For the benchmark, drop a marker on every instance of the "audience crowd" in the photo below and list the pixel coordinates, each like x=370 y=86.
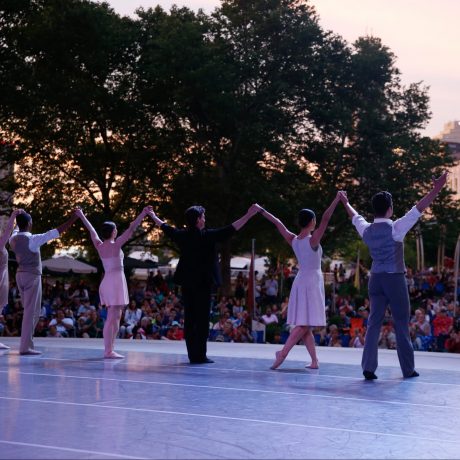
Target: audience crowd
x=156 y=312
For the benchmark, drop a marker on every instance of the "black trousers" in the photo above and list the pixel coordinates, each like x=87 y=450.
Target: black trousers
x=197 y=305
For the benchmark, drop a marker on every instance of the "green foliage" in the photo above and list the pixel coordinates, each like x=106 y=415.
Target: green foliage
x=252 y=103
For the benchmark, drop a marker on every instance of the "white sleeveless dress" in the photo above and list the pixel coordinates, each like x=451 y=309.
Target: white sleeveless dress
x=307 y=299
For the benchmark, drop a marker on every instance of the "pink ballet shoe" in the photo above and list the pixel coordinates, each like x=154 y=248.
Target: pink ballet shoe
x=311 y=366
x=113 y=355
x=278 y=361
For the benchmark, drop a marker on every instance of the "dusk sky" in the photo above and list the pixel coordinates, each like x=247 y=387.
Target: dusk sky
x=423 y=34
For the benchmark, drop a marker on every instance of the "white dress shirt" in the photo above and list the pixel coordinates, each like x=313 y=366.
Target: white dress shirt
x=400 y=226
x=38 y=239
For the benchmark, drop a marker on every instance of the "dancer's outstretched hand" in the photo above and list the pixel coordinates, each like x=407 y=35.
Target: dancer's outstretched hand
x=78 y=212
x=16 y=212
x=254 y=209
x=438 y=183
x=147 y=210
x=342 y=196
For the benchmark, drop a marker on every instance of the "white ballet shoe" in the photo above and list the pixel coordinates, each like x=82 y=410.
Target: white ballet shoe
x=113 y=355
x=30 y=351
x=4 y=347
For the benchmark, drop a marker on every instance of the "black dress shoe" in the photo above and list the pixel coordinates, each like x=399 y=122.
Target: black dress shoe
x=202 y=361
x=414 y=374
x=368 y=375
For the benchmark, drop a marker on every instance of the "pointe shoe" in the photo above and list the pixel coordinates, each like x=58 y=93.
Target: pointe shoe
x=278 y=361
x=311 y=366
x=30 y=351
x=4 y=347
x=113 y=355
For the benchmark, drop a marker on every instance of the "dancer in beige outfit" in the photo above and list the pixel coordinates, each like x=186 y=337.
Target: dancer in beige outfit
x=26 y=246
x=113 y=290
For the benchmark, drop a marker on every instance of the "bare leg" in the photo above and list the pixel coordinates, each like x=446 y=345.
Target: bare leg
x=111 y=326
x=297 y=333
x=309 y=342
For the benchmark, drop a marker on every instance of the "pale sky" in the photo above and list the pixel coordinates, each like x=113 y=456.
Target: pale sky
x=423 y=34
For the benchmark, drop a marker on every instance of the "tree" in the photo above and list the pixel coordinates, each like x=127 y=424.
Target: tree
x=80 y=135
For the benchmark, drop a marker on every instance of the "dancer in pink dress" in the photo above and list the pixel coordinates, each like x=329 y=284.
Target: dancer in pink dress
x=113 y=290
x=4 y=282
x=306 y=308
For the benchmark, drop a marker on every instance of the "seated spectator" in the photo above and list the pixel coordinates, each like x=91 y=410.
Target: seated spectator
x=227 y=334
x=357 y=339
x=41 y=329
x=420 y=324
x=452 y=344
x=321 y=336
x=175 y=332
x=93 y=326
x=269 y=317
x=131 y=320
x=442 y=327
x=62 y=324
x=53 y=332
x=333 y=338
x=387 y=338
x=219 y=326
x=242 y=335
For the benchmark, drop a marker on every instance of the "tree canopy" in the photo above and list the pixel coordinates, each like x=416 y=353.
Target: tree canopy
x=255 y=102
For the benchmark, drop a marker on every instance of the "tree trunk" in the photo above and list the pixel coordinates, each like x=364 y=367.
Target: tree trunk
x=225 y=257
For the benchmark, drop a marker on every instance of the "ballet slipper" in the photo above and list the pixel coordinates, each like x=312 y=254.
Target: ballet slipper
x=4 y=347
x=113 y=355
x=30 y=351
x=279 y=360
x=312 y=366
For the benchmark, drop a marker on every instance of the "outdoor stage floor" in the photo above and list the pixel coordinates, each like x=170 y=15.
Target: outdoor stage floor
x=71 y=403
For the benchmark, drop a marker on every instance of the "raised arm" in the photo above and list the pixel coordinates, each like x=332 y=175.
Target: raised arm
x=128 y=233
x=285 y=233
x=67 y=224
x=348 y=207
x=155 y=218
x=9 y=228
x=358 y=221
x=238 y=224
x=92 y=232
x=438 y=184
x=319 y=232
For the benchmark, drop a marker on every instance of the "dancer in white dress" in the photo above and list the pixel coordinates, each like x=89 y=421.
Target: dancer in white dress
x=4 y=282
x=306 y=308
x=113 y=290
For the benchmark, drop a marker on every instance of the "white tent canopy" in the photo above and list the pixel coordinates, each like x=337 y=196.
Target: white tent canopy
x=143 y=255
x=67 y=264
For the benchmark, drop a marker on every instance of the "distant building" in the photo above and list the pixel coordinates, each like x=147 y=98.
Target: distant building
x=451 y=136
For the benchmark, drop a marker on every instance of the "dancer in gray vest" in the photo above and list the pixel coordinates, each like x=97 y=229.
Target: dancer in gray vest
x=29 y=274
x=4 y=282
x=387 y=282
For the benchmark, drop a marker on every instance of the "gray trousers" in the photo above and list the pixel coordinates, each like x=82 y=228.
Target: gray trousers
x=30 y=288
x=388 y=289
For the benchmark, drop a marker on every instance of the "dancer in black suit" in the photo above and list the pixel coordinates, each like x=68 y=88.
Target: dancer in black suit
x=197 y=271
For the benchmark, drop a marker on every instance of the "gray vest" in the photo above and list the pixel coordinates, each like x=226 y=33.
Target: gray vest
x=27 y=260
x=387 y=254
